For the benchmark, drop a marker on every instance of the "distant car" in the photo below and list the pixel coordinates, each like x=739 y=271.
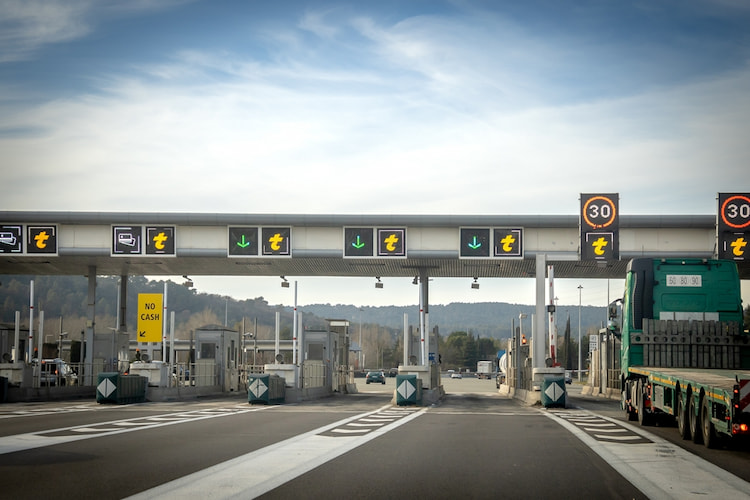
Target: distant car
x=568 y=377
x=393 y=372
x=375 y=377
x=455 y=375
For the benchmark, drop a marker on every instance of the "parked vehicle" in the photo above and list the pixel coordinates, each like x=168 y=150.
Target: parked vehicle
x=684 y=352
x=375 y=377
x=456 y=375
x=56 y=372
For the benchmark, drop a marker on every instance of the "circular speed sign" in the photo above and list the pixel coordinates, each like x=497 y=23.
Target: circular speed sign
x=735 y=211
x=599 y=211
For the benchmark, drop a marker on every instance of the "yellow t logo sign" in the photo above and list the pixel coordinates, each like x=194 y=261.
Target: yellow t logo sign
x=738 y=246
x=390 y=242
x=275 y=241
x=599 y=245
x=508 y=243
x=41 y=239
x=159 y=240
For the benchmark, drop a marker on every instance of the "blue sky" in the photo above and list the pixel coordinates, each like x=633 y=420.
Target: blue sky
x=434 y=107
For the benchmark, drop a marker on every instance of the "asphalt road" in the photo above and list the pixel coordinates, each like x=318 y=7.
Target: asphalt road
x=473 y=444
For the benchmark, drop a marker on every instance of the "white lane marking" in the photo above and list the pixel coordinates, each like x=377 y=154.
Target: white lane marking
x=611 y=430
x=258 y=472
x=51 y=437
x=618 y=438
x=660 y=469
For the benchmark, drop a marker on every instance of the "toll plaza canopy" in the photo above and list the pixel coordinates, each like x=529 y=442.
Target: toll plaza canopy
x=116 y=243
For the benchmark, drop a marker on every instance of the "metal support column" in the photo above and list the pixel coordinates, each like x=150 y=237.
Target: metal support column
x=90 y=328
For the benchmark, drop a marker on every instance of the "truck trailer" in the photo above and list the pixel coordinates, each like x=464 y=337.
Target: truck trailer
x=485 y=369
x=684 y=351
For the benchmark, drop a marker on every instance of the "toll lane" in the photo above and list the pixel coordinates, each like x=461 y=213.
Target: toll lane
x=470 y=446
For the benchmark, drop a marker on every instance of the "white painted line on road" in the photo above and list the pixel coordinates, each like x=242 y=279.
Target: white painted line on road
x=660 y=469
x=51 y=437
x=611 y=430
x=350 y=431
x=256 y=473
x=618 y=438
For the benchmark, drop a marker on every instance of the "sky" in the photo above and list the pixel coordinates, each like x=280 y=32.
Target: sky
x=387 y=107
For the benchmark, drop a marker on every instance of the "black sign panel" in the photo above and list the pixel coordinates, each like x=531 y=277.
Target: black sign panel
x=276 y=241
x=127 y=240
x=358 y=242
x=508 y=242
x=41 y=240
x=11 y=238
x=600 y=227
x=599 y=246
x=392 y=242
x=734 y=246
x=243 y=241
x=475 y=242
x=160 y=240
x=733 y=225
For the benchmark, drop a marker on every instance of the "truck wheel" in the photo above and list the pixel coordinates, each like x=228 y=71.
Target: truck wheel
x=710 y=439
x=683 y=422
x=695 y=426
x=643 y=418
x=629 y=413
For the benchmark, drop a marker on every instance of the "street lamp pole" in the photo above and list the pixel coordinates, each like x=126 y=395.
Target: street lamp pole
x=580 y=287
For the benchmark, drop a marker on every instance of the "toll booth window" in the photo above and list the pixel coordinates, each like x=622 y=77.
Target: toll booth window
x=208 y=351
x=315 y=352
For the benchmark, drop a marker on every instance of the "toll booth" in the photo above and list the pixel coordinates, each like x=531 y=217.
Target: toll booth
x=340 y=360
x=319 y=350
x=217 y=357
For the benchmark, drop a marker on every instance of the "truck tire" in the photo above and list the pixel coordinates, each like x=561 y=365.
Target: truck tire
x=643 y=418
x=710 y=439
x=627 y=401
x=683 y=419
x=695 y=422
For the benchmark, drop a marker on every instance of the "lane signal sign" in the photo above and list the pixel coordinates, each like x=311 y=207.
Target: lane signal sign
x=243 y=242
x=11 y=239
x=41 y=240
x=475 y=242
x=358 y=242
x=126 y=240
x=276 y=241
x=598 y=246
x=160 y=240
x=392 y=242
x=508 y=242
